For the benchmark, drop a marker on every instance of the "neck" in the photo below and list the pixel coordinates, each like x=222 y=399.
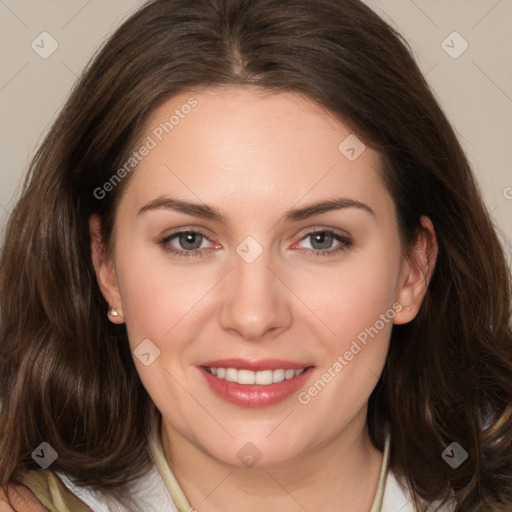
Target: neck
x=342 y=474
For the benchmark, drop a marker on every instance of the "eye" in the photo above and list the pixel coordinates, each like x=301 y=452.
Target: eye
x=190 y=243
x=322 y=240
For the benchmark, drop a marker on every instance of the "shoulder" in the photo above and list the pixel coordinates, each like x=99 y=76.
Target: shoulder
x=22 y=499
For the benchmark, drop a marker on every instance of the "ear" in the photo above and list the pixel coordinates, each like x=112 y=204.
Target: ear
x=416 y=272
x=104 y=269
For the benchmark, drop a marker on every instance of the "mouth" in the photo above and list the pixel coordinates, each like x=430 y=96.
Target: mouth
x=255 y=384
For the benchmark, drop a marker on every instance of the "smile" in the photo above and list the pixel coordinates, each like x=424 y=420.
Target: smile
x=261 y=378
x=255 y=384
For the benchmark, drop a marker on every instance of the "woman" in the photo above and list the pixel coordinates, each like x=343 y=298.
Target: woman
x=251 y=269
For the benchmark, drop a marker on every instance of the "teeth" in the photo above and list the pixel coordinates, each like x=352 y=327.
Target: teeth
x=278 y=376
x=246 y=377
x=231 y=375
x=289 y=374
x=262 y=378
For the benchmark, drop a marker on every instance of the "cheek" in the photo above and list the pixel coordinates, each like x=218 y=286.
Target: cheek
x=358 y=309
x=152 y=296
x=356 y=303
x=159 y=299
x=351 y=297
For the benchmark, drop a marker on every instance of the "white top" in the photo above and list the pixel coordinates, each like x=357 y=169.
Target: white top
x=153 y=491
x=154 y=497
x=150 y=491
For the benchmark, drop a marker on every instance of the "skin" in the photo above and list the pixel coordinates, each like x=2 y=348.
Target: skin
x=22 y=499
x=253 y=156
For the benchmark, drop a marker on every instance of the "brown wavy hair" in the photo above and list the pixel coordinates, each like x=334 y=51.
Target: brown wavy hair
x=67 y=374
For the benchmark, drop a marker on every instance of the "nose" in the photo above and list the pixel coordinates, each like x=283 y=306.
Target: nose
x=256 y=302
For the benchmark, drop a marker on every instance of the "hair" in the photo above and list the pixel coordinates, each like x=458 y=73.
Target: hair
x=67 y=373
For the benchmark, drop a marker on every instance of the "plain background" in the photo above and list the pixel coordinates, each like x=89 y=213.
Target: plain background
x=474 y=89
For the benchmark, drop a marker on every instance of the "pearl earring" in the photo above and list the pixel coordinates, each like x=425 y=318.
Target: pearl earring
x=113 y=312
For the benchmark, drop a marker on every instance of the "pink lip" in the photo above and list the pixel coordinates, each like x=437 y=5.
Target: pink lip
x=255 y=366
x=254 y=395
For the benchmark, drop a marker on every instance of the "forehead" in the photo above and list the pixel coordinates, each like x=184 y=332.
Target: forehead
x=242 y=145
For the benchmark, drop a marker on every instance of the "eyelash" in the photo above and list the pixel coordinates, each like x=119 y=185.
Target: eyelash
x=345 y=243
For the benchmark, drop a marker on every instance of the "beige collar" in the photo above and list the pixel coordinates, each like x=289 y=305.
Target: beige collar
x=179 y=498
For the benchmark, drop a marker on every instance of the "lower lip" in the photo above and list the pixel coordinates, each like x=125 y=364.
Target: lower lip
x=252 y=395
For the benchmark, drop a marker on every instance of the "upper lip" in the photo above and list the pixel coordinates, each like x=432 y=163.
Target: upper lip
x=259 y=365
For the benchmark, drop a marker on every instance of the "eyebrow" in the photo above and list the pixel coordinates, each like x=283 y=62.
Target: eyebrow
x=211 y=213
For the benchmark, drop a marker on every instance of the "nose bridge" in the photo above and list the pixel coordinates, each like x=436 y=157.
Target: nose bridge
x=255 y=300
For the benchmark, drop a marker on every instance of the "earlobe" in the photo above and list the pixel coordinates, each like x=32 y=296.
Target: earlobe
x=419 y=268
x=104 y=269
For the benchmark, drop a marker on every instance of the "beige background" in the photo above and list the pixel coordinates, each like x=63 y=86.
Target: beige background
x=475 y=89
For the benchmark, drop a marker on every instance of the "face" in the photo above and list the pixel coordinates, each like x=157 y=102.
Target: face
x=258 y=267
